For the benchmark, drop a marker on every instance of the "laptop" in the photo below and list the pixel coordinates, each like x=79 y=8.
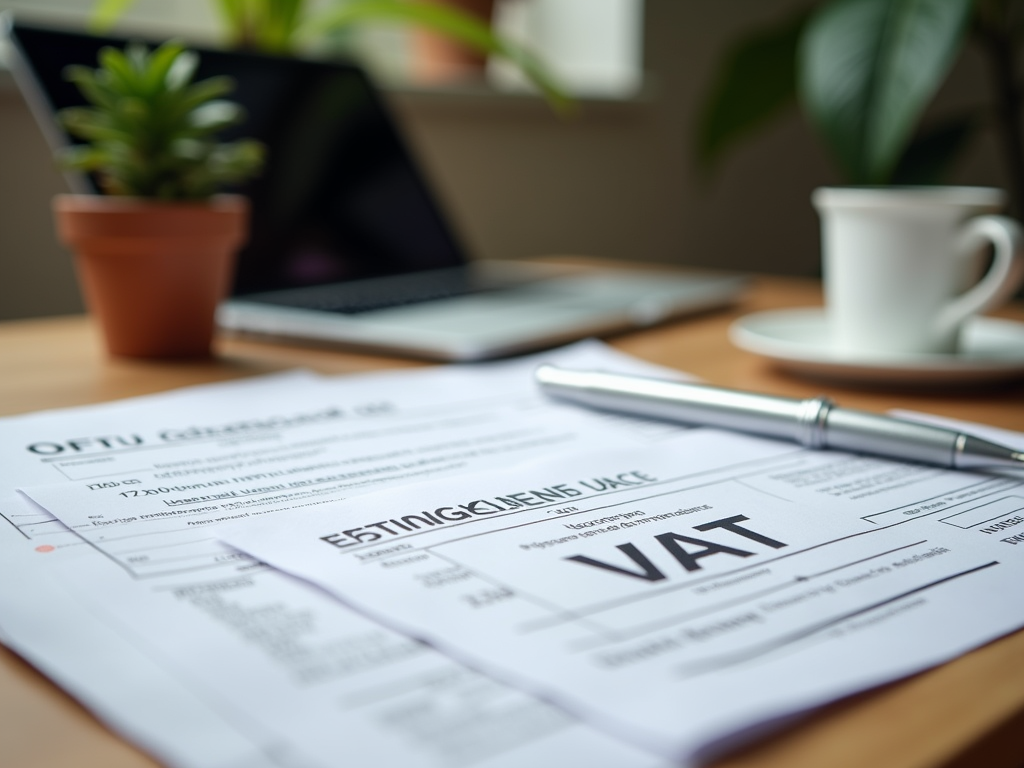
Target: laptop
x=348 y=243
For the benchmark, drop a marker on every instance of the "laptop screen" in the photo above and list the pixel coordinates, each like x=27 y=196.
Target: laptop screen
x=340 y=197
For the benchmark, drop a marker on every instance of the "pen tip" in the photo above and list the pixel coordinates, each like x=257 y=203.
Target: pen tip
x=977 y=453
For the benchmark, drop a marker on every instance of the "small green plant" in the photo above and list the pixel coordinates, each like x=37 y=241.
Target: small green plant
x=151 y=131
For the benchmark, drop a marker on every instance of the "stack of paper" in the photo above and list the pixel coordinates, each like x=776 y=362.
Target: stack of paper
x=533 y=584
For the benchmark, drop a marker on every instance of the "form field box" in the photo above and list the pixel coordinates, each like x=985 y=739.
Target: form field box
x=994 y=511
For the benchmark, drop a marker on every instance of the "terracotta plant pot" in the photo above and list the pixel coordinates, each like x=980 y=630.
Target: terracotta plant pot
x=153 y=272
x=439 y=59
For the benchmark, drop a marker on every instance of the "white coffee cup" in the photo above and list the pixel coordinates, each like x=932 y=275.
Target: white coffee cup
x=901 y=265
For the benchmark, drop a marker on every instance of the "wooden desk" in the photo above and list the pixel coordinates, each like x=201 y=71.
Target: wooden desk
x=966 y=713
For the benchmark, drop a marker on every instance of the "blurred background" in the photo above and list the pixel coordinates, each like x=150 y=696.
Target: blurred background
x=618 y=179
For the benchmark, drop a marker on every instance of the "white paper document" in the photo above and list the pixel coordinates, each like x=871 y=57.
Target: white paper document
x=681 y=595
x=101 y=663
x=228 y=662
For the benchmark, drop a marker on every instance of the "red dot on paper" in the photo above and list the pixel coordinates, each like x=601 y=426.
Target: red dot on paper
x=45 y=548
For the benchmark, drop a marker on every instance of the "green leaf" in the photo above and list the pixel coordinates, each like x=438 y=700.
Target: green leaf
x=164 y=68
x=868 y=69
x=81 y=158
x=756 y=81
x=232 y=12
x=215 y=116
x=930 y=154
x=117 y=71
x=93 y=126
x=449 y=21
x=182 y=70
x=234 y=162
x=88 y=84
x=106 y=13
x=206 y=90
x=281 y=20
x=188 y=149
x=138 y=59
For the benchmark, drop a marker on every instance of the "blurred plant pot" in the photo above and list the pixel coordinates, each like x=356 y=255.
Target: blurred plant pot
x=151 y=271
x=440 y=59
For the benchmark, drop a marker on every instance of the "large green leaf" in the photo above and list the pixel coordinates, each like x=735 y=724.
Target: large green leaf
x=756 y=81
x=868 y=69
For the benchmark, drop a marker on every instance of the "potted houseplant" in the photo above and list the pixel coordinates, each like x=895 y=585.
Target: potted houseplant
x=156 y=253
x=864 y=73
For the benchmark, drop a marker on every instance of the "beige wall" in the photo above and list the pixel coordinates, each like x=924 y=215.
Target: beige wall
x=617 y=181
x=621 y=182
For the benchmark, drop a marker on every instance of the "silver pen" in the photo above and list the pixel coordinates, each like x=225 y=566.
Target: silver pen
x=814 y=423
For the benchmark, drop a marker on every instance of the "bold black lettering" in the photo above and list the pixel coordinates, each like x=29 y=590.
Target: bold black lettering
x=361 y=535
x=46 y=449
x=623 y=479
x=452 y=517
x=474 y=507
x=109 y=442
x=337 y=540
x=415 y=520
x=509 y=502
x=549 y=494
x=649 y=571
x=523 y=498
x=730 y=524
x=688 y=560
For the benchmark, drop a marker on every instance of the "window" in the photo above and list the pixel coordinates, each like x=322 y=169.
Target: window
x=594 y=47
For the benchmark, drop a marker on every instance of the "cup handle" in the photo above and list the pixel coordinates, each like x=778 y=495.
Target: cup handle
x=1004 y=276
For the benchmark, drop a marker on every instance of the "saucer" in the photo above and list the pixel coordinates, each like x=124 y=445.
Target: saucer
x=797 y=339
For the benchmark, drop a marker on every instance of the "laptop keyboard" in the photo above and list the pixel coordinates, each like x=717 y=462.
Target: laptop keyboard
x=379 y=293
